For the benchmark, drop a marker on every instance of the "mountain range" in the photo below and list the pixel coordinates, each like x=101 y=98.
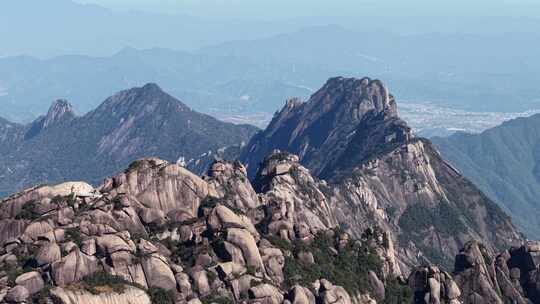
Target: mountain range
x=504 y=162
x=242 y=78
x=143 y=121
x=338 y=202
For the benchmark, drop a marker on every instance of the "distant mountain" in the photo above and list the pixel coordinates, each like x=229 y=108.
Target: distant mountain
x=255 y=76
x=139 y=122
x=505 y=163
x=349 y=134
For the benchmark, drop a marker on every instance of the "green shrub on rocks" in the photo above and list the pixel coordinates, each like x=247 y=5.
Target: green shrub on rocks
x=160 y=295
x=102 y=281
x=28 y=212
x=348 y=267
x=74 y=235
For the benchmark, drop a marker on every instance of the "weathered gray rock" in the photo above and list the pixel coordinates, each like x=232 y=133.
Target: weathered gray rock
x=245 y=241
x=32 y=281
x=306 y=257
x=229 y=181
x=17 y=294
x=159 y=185
x=158 y=273
x=274 y=261
x=184 y=285
x=200 y=280
x=301 y=295
x=432 y=286
x=329 y=293
x=48 y=254
x=130 y=295
x=377 y=286
x=266 y=293
x=73 y=267
x=109 y=244
x=37 y=229
x=89 y=247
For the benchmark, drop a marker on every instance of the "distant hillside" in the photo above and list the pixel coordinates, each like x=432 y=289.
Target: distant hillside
x=135 y=123
x=505 y=163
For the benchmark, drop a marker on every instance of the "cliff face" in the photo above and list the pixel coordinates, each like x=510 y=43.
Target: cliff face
x=349 y=134
x=131 y=124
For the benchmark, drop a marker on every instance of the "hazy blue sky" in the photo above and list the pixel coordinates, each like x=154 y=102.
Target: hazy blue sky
x=288 y=8
x=57 y=27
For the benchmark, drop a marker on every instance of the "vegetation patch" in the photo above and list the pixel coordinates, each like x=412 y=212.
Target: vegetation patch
x=348 y=268
x=74 y=235
x=103 y=282
x=217 y=300
x=117 y=202
x=28 y=212
x=443 y=217
x=397 y=293
x=160 y=295
x=280 y=243
x=136 y=165
x=44 y=296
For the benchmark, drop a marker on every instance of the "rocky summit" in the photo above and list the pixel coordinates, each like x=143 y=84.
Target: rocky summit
x=338 y=202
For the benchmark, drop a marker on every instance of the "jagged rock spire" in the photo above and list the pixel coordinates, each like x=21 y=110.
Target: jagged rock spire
x=59 y=110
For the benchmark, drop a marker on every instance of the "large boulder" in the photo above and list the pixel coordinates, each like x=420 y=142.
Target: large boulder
x=229 y=181
x=332 y=294
x=73 y=268
x=242 y=239
x=266 y=293
x=159 y=185
x=17 y=294
x=431 y=285
x=158 y=273
x=32 y=281
x=48 y=254
x=301 y=295
x=130 y=295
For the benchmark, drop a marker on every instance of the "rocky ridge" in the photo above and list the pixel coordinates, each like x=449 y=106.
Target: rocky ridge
x=378 y=173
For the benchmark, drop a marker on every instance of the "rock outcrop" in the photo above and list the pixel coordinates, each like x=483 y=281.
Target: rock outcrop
x=480 y=277
x=157 y=233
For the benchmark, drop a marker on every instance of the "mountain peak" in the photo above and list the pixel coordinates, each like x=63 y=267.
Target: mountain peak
x=59 y=110
x=140 y=100
x=363 y=94
x=151 y=87
x=327 y=122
